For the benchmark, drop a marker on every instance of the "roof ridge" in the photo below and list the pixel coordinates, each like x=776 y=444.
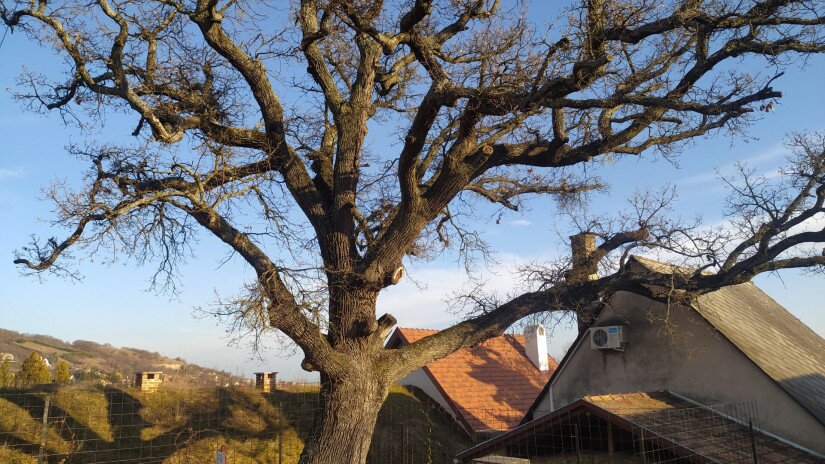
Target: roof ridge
x=506 y=334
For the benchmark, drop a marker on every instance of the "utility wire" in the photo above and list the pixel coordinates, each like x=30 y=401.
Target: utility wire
x=3 y=40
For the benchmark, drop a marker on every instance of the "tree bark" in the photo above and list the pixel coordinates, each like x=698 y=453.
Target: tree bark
x=350 y=397
x=344 y=426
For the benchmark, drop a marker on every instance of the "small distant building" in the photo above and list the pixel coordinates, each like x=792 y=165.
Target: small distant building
x=265 y=381
x=148 y=381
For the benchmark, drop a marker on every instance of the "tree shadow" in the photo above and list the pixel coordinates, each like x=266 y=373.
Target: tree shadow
x=507 y=386
x=411 y=428
x=133 y=438
x=104 y=425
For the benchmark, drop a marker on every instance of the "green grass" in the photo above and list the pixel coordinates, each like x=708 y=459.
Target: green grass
x=186 y=426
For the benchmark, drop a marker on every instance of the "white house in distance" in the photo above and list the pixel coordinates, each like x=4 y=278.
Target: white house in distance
x=641 y=357
x=486 y=388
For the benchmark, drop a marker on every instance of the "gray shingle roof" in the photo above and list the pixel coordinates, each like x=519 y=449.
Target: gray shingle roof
x=782 y=346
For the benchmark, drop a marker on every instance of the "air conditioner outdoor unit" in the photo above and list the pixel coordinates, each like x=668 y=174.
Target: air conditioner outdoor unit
x=607 y=338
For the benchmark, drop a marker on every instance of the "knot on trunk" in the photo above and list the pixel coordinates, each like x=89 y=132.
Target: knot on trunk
x=385 y=325
x=392 y=278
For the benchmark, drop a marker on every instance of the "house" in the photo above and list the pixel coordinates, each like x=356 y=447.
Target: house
x=734 y=348
x=655 y=427
x=264 y=381
x=148 y=381
x=486 y=388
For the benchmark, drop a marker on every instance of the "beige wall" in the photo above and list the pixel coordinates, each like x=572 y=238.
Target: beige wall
x=419 y=378
x=675 y=349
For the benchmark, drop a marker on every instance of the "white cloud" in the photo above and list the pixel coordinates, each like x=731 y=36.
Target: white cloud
x=703 y=178
x=420 y=300
x=520 y=223
x=425 y=305
x=814 y=224
x=6 y=173
x=768 y=155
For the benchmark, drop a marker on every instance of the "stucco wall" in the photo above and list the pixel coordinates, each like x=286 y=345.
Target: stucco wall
x=687 y=356
x=419 y=378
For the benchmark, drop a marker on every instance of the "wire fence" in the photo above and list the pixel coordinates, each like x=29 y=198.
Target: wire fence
x=105 y=425
x=728 y=433
x=99 y=425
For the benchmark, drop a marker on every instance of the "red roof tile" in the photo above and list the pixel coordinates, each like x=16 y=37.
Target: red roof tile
x=490 y=386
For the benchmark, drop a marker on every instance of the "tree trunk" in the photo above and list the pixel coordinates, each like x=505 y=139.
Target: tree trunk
x=343 y=428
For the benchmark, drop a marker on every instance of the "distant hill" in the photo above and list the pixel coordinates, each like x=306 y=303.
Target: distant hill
x=92 y=361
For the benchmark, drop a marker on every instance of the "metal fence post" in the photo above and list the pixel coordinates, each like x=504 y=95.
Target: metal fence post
x=577 y=442
x=41 y=455
x=281 y=445
x=753 y=442
x=404 y=448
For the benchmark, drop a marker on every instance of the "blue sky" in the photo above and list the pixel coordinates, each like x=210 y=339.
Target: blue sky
x=111 y=305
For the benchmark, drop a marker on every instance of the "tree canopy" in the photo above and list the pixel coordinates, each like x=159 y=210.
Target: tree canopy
x=252 y=125
x=6 y=376
x=33 y=371
x=62 y=374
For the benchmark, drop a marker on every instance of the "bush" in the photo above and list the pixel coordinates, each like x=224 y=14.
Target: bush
x=62 y=375
x=6 y=377
x=33 y=371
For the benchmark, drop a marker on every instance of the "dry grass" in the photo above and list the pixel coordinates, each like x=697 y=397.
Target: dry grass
x=186 y=426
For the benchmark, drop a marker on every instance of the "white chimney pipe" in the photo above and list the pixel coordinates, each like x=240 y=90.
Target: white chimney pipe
x=535 y=345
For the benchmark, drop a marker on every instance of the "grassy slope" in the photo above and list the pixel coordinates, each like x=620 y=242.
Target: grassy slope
x=89 y=425
x=83 y=355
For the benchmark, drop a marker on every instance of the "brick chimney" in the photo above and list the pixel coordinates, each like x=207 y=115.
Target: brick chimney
x=535 y=345
x=582 y=246
x=583 y=268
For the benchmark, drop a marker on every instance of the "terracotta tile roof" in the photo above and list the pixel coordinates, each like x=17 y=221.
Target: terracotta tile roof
x=489 y=386
x=693 y=432
x=782 y=346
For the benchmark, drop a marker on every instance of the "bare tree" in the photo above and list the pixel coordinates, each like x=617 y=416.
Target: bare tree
x=251 y=123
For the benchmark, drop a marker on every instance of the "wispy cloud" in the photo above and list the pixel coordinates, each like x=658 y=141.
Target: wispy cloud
x=703 y=178
x=520 y=223
x=6 y=173
x=766 y=156
x=421 y=299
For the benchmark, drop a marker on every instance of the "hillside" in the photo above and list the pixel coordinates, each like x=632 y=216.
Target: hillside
x=105 y=425
x=89 y=360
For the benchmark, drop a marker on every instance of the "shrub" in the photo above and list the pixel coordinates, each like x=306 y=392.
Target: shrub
x=62 y=375
x=33 y=371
